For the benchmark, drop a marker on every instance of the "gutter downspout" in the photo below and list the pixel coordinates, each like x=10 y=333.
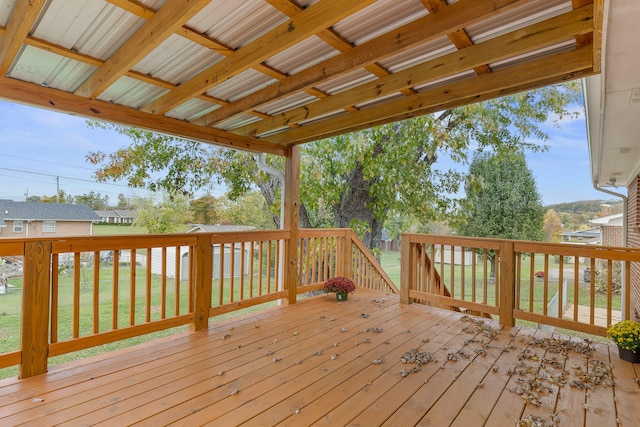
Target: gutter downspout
x=625 y=225
x=261 y=161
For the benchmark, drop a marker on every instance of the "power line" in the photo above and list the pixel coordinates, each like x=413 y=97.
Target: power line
x=65 y=177
x=46 y=161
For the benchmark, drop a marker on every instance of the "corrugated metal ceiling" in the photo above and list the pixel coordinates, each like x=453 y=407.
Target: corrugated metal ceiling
x=224 y=67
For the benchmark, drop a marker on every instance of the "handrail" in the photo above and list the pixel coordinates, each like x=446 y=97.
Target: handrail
x=526 y=276
x=380 y=282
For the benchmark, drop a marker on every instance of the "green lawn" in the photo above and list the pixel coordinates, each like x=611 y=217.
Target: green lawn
x=118 y=229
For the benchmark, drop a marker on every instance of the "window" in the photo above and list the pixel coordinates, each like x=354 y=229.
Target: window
x=18 y=227
x=49 y=227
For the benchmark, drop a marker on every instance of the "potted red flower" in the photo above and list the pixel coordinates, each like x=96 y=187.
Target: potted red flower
x=341 y=286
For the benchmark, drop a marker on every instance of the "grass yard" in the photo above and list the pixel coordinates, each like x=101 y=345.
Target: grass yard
x=119 y=229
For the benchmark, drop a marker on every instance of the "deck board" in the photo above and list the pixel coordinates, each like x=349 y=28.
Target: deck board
x=275 y=367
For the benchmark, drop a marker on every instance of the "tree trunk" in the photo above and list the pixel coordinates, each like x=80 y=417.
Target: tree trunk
x=353 y=208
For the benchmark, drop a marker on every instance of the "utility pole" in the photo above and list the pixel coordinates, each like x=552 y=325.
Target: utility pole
x=57 y=189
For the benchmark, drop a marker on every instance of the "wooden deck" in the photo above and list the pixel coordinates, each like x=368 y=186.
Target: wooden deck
x=320 y=362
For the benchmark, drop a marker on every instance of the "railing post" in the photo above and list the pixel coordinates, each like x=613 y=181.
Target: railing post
x=407 y=269
x=346 y=254
x=507 y=284
x=34 y=327
x=202 y=278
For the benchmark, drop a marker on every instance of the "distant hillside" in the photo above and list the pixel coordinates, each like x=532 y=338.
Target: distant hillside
x=576 y=215
x=586 y=206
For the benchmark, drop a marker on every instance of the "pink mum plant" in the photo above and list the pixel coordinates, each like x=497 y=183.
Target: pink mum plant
x=339 y=285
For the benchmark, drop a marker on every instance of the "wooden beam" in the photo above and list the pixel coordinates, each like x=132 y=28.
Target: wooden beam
x=164 y=23
x=507 y=284
x=22 y=18
x=53 y=99
x=430 y=27
x=34 y=326
x=292 y=220
x=558 y=65
x=546 y=33
x=459 y=38
x=203 y=273
x=407 y=262
x=598 y=15
x=315 y=18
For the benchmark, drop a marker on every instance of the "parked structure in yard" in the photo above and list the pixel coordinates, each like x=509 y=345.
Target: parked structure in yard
x=37 y=219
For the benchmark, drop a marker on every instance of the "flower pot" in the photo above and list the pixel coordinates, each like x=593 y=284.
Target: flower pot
x=629 y=355
x=342 y=296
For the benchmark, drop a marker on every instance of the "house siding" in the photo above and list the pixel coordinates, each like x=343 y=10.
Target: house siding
x=611 y=235
x=34 y=229
x=633 y=240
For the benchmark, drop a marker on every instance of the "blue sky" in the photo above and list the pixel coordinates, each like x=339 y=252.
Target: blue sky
x=36 y=146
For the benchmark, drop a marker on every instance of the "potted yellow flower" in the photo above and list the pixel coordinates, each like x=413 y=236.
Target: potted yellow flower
x=341 y=286
x=626 y=335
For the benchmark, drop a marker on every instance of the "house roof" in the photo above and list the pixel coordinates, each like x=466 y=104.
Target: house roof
x=38 y=211
x=203 y=228
x=613 y=220
x=613 y=98
x=263 y=75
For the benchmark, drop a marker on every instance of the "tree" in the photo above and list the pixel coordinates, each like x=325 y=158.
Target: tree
x=94 y=200
x=552 y=226
x=124 y=202
x=62 y=197
x=164 y=217
x=359 y=178
x=249 y=209
x=204 y=210
x=501 y=200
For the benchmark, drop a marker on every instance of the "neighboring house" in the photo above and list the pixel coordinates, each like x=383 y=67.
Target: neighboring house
x=590 y=236
x=37 y=219
x=610 y=229
x=117 y=216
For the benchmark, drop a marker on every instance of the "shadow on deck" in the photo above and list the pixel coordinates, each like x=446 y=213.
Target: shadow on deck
x=328 y=363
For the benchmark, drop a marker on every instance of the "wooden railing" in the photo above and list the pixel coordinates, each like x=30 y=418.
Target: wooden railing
x=538 y=282
x=84 y=292
x=325 y=253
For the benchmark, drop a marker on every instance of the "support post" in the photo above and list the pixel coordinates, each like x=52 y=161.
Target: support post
x=346 y=253
x=407 y=271
x=507 y=284
x=292 y=220
x=34 y=327
x=202 y=277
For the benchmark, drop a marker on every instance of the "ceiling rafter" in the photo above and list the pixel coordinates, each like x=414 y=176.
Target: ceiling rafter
x=334 y=40
x=316 y=17
x=158 y=28
x=459 y=38
x=23 y=16
x=557 y=65
x=457 y=15
x=536 y=36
